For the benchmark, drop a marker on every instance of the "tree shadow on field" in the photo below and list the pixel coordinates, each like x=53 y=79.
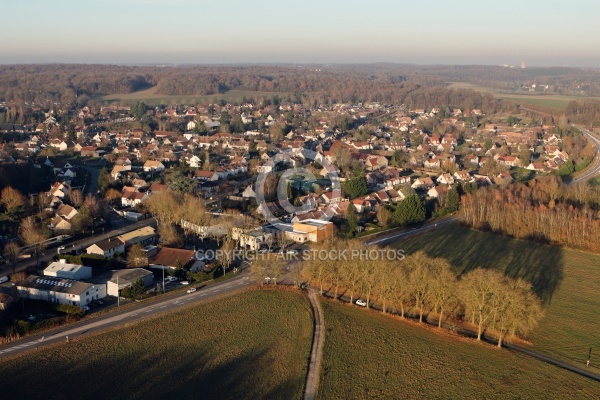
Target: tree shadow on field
x=152 y=375
x=466 y=249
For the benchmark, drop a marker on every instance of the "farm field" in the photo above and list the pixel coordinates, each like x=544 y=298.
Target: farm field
x=150 y=97
x=249 y=346
x=567 y=281
x=368 y=355
x=551 y=100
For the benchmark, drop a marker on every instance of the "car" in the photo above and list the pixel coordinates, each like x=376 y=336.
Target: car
x=185 y=282
x=262 y=251
x=86 y=308
x=172 y=279
x=60 y=249
x=191 y=290
x=361 y=303
x=99 y=302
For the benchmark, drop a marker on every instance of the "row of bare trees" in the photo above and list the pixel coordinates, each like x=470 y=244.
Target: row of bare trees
x=543 y=210
x=423 y=286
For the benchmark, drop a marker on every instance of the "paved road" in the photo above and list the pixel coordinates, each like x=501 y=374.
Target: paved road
x=77 y=245
x=595 y=168
x=316 y=355
x=92 y=186
x=143 y=311
x=385 y=239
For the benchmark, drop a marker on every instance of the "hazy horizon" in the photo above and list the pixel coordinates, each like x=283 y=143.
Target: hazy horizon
x=138 y=32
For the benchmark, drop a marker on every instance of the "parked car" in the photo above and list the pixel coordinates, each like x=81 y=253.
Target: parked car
x=185 y=282
x=361 y=303
x=86 y=308
x=191 y=290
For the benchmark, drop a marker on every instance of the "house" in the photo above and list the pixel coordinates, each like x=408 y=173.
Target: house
x=120 y=279
x=91 y=151
x=331 y=197
x=463 y=176
x=132 y=198
x=445 y=179
x=510 y=161
x=206 y=175
x=153 y=166
x=437 y=191
x=157 y=187
x=61 y=291
x=310 y=230
x=62 y=269
x=423 y=183
x=66 y=211
x=373 y=163
x=171 y=258
x=251 y=239
x=536 y=166
x=107 y=248
x=144 y=236
x=60 y=224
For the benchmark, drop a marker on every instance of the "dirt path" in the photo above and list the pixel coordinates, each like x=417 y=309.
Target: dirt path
x=314 y=369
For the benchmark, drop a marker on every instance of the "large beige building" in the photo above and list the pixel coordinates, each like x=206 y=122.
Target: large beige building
x=310 y=230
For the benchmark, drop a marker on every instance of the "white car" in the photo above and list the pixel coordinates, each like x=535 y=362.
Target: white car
x=361 y=303
x=185 y=282
x=191 y=290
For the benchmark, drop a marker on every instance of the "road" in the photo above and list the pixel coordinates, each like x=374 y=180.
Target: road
x=316 y=354
x=142 y=311
x=77 y=245
x=594 y=169
x=384 y=239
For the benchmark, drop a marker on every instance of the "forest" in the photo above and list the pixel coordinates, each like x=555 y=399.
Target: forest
x=544 y=210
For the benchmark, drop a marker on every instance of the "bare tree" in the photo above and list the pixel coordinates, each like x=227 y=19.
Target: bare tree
x=11 y=198
x=76 y=198
x=420 y=280
x=11 y=253
x=384 y=216
x=477 y=290
x=136 y=257
x=33 y=235
x=443 y=288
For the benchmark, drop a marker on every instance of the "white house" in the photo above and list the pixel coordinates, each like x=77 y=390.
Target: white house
x=62 y=269
x=107 y=248
x=62 y=291
x=153 y=166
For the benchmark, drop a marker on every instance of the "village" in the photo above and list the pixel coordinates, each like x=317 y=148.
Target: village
x=121 y=157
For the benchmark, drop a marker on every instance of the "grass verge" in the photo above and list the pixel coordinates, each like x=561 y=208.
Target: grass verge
x=568 y=282
x=252 y=345
x=371 y=356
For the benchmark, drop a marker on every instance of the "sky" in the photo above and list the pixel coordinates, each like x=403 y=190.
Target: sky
x=548 y=33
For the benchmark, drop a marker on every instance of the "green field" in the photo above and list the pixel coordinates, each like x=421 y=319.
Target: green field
x=550 y=100
x=149 y=96
x=371 y=356
x=254 y=345
x=567 y=281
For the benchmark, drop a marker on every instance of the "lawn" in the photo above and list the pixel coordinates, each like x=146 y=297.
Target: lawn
x=567 y=281
x=549 y=100
x=371 y=356
x=253 y=345
x=149 y=96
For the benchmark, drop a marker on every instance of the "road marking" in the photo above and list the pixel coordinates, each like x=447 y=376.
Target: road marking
x=147 y=310
x=163 y=306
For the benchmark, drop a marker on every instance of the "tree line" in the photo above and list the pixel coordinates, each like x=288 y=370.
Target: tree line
x=544 y=210
x=426 y=288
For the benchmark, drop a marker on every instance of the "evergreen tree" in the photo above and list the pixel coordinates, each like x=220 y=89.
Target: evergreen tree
x=410 y=211
x=352 y=219
x=452 y=201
